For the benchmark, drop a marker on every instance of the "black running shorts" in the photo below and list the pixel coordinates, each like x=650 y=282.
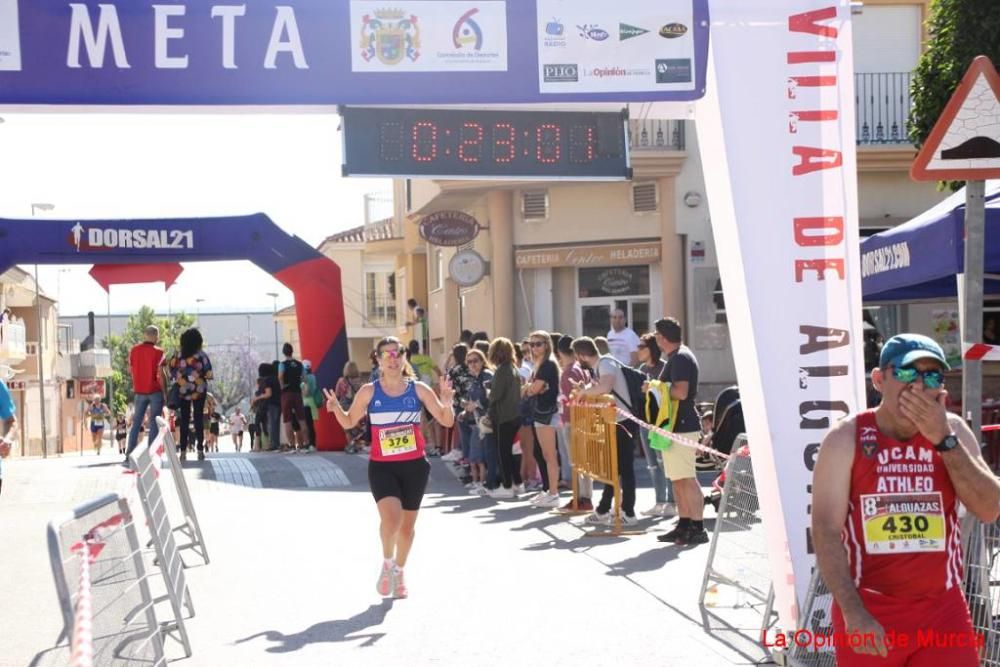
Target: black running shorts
x=405 y=480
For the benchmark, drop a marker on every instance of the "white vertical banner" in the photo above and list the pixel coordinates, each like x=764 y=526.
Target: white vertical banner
x=776 y=131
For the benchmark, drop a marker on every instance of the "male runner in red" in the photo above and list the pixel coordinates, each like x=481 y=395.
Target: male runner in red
x=885 y=526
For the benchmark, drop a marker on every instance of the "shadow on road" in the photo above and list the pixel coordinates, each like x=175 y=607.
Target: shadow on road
x=329 y=632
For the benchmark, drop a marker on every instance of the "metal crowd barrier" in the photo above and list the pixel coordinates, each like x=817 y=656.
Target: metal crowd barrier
x=165 y=547
x=123 y=628
x=594 y=451
x=190 y=528
x=737 y=557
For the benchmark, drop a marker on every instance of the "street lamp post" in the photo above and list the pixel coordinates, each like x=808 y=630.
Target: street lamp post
x=274 y=316
x=40 y=348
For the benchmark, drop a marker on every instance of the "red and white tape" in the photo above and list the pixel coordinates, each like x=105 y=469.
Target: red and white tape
x=83 y=633
x=686 y=442
x=980 y=352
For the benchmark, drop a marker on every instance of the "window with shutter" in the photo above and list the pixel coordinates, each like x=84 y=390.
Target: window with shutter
x=645 y=198
x=535 y=205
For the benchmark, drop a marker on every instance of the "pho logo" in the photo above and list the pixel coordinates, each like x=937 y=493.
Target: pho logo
x=568 y=73
x=673 y=70
x=626 y=31
x=592 y=31
x=467 y=32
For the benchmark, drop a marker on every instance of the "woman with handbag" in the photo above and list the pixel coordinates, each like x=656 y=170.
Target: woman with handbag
x=190 y=371
x=543 y=389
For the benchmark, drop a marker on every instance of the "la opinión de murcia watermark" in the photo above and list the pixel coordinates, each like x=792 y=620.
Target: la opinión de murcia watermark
x=922 y=638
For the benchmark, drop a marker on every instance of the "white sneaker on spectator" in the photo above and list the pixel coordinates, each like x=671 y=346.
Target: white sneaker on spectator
x=471 y=485
x=482 y=490
x=519 y=489
x=627 y=520
x=548 y=500
x=655 y=510
x=538 y=497
x=475 y=489
x=501 y=493
x=595 y=518
x=669 y=510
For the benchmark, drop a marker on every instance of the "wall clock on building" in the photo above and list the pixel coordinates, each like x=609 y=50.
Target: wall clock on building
x=467 y=268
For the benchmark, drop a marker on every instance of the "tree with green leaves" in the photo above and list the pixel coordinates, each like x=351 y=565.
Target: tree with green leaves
x=120 y=346
x=959 y=31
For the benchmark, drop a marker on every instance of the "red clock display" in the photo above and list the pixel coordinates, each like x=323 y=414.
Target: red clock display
x=471 y=144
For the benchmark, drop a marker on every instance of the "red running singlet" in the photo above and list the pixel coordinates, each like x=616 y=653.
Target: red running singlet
x=902 y=533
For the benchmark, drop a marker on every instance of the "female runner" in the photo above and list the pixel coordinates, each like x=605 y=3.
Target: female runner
x=397 y=470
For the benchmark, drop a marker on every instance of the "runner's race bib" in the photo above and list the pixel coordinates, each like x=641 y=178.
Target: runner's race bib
x=903 y=522
x=397 y=440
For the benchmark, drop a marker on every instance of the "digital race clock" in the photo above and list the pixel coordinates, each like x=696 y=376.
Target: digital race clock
x=468 y=144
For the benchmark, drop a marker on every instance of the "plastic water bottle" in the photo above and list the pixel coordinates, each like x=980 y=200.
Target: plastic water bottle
x=740 y=594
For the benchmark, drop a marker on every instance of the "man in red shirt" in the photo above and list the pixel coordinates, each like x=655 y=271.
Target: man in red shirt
x=884 y=520
x=145 y=361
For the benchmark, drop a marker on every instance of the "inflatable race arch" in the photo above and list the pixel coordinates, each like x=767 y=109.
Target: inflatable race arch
x=313 y=278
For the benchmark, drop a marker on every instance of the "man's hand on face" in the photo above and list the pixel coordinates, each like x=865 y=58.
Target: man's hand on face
x=926 y=409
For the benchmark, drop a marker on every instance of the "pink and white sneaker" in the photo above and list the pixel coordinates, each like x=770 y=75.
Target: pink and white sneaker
x=398 y=585
x=384 y=583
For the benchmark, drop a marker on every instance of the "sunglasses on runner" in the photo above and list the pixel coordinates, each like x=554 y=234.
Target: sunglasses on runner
x=390 y=354
x=536 y=343
x=908 y=375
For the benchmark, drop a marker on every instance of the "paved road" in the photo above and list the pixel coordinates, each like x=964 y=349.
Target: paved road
x=295 y=554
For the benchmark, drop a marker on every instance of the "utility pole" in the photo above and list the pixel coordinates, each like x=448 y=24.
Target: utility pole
x=41 y=348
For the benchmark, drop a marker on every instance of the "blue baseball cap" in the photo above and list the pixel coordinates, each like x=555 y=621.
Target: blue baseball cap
x=904 y=349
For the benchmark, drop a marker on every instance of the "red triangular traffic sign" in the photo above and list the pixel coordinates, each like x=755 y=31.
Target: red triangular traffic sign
x=965 y=142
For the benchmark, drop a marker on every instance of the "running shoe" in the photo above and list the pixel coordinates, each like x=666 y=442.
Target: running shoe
x=693 y=536
x=501 y=493
x=548 y=500
x=398 y=584
x=538 y=497
x=519 y=490
x=675 y=535
x=595 y=518
x=669 y=510
x=655 y=510
x=384 y=583
x=628 y=520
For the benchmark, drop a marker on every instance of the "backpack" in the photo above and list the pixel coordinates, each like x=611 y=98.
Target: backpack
x=661 y=410
x=634 y=381
x=293 y=374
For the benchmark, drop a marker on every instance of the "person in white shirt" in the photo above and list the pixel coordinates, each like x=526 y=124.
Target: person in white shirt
x=237 y=424
x=623 y=343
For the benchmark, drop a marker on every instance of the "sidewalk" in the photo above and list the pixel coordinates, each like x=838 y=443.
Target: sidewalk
x=294 y=548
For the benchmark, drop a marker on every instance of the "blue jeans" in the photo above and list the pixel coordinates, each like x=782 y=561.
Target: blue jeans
x=274 y=425
x=465 y=436
x=662 y=487
x=154 y=402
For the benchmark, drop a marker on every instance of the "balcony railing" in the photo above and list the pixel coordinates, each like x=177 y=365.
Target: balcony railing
x=383 y=230
x=656 y=134
x=13 y=345
x=380 y=311
x=91 y=364
x=883 y=107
